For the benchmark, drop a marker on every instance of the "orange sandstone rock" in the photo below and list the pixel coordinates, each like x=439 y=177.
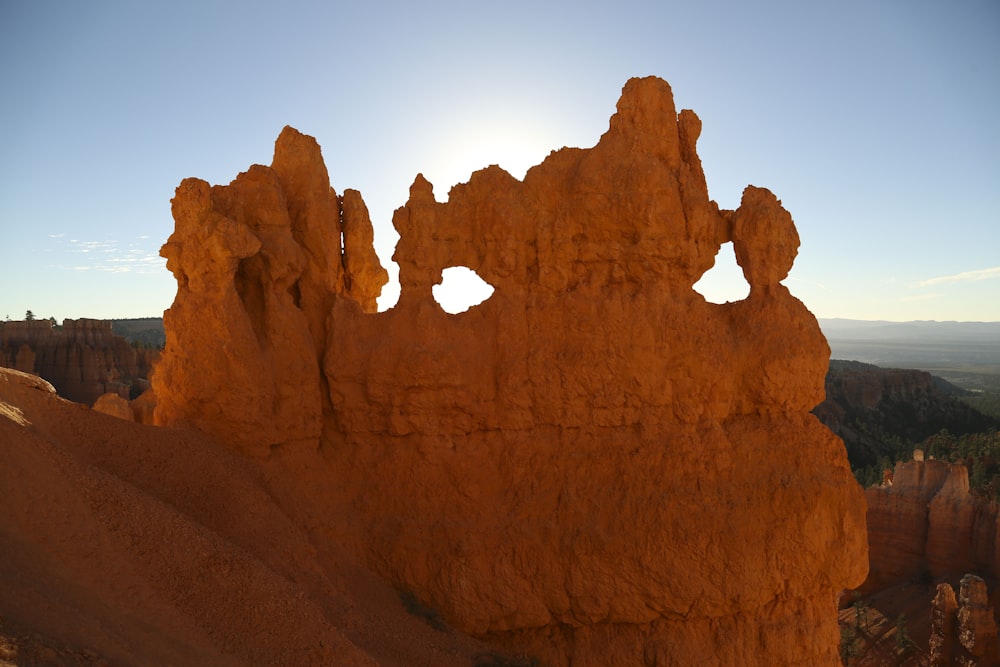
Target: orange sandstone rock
x=258 y=263
x=926 y=523
x=595 y=465
x=114 y=405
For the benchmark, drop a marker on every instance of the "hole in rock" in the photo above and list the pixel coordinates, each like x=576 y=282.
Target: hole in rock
x=724 y=282
x=460 y=288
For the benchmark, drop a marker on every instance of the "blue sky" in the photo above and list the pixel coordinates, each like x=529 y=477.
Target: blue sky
x=874 y=123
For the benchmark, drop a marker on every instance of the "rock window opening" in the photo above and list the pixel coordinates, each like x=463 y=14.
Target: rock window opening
x=460 y=289
x=724 y=282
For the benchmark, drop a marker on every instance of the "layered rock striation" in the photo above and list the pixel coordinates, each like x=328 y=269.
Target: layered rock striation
x=595 y=465
x=83 y=359
x=925 y=524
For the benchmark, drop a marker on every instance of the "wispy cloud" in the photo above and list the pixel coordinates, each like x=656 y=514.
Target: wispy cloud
x=964 y=277
x=110 y=255
x=93 y=246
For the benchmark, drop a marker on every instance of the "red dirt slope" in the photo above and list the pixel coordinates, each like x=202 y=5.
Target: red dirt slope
x=128 y=544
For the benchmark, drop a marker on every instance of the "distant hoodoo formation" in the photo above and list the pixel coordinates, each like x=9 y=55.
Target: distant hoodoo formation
x=83 y=359
x=595 y=465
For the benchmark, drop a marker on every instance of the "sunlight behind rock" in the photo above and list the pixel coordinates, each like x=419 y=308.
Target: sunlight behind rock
x=724 y=282
x=460 y=289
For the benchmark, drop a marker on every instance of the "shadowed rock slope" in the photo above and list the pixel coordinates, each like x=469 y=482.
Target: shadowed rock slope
x=124 y=544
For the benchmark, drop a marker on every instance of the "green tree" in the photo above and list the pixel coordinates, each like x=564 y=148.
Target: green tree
x=848 y=643
x=29 y=316
x=977 y=474
x=903 y=642
x=861 y=615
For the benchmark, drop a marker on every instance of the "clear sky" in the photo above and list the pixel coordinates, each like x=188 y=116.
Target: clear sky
x=876 y=124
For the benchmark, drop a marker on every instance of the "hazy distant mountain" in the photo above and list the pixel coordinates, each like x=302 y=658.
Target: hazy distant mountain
x=915 y=330
x=145 y=330
x=918 y=344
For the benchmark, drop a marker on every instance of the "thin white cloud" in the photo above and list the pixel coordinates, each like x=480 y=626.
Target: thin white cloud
x=93 y=246
x=109 y=256
x=964 y=277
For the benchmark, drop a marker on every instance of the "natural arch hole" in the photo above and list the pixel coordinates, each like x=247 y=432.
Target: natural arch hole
x=460 y=288
x=724 y=282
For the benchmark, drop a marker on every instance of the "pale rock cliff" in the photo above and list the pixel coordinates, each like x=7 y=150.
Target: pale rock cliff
x=595 y=465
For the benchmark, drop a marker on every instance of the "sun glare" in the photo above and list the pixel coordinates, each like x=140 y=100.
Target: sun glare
x=460 y=289
x=516 y=148
x=724 y=282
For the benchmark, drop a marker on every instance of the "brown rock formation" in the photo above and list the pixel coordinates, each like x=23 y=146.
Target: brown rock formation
x=258 y=264
x=977 y=628
x=943 y=641
x=114 y=405
x=926 y=525
x=595 y=465
x=83 y=359
x=144 y=407
x=963 y=632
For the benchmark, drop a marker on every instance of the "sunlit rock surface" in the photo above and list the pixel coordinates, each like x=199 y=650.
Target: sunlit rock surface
x=595 y=465
x=258 y=265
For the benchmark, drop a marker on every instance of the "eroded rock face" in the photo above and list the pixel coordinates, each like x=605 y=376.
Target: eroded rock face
x=595 y=465
x=963 y=632
x=258 y=264
x=83 y=358
x=114 y=405
x=925 y=524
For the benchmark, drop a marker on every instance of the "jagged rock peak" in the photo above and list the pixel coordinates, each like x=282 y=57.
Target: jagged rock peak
x=258 y=263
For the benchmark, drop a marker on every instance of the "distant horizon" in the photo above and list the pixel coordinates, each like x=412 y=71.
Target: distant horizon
x=819 y=319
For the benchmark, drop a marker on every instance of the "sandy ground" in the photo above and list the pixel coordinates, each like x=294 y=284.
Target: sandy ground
x=124 y=544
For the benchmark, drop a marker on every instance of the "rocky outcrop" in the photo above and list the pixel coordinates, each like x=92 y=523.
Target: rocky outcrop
x=83 y=359
x=943 y=642
x=114 y=405
x=924 y=524
x=258 y=264
x=595 y=465
x=963 y=632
